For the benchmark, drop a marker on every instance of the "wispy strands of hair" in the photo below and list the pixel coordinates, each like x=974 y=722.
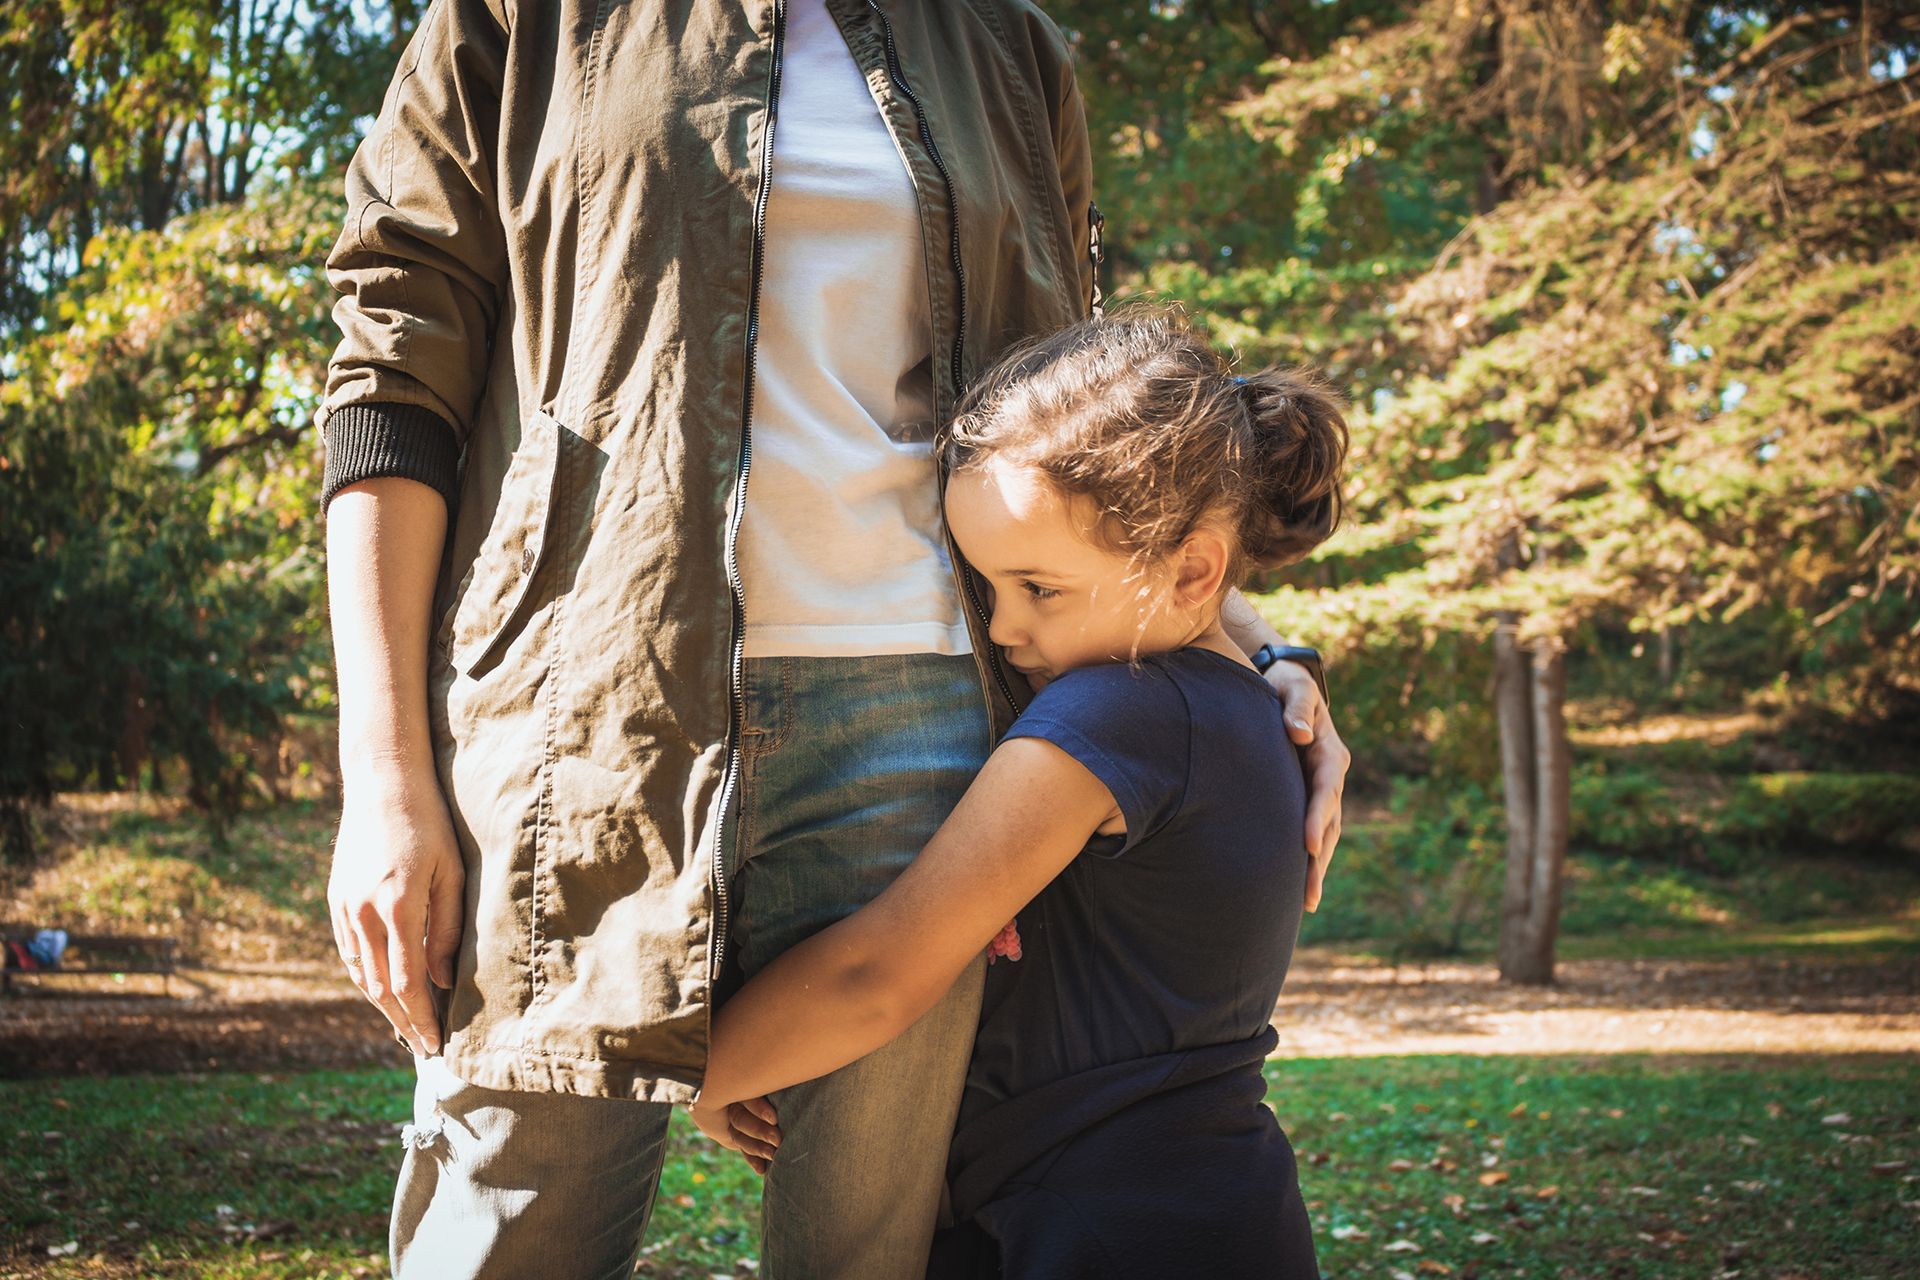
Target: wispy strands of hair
x=1135 y=414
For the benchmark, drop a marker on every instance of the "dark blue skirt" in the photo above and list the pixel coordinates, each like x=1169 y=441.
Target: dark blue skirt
x=1163 y=1167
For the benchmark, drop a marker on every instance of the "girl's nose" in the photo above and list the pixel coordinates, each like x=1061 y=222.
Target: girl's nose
x=1003 y=632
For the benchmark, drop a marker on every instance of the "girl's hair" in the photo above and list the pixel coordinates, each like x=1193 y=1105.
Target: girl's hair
x=1135 y=413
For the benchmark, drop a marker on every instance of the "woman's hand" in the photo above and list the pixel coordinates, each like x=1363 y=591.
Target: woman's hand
x=395 y=897
x=1326 y=758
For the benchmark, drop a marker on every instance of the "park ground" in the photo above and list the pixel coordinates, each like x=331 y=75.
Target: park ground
x=1715 y=1086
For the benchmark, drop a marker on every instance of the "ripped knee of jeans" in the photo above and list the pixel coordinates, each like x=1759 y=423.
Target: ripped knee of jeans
x=419 y=1137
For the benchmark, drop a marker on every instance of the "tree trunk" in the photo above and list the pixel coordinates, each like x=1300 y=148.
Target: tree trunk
x=1551 y=787
x=1512 y=697
x=1531 y=688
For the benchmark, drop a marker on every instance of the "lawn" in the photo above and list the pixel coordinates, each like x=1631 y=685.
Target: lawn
x=1622 y=1166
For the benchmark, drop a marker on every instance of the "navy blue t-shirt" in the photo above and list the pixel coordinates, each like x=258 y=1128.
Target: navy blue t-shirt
x=1178 y=935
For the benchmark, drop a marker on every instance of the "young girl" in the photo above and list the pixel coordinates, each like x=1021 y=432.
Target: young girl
x=1112 y=481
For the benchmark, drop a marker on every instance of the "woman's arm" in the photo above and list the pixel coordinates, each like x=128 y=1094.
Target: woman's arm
x=395 y=890
x=853 y=987
x=1310 y=725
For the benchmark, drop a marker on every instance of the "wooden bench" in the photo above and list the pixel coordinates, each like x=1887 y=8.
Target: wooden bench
x=94 y=953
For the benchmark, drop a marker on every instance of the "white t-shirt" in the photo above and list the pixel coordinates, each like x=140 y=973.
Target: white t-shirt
x=841 y=549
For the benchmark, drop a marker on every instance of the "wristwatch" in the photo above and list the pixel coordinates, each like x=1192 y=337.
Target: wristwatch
x=1268 y=654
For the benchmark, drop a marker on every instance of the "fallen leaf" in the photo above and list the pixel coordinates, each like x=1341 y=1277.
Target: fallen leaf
x=1517 y=1112
x=1400 y=1166
x=1889 y=1166
x=1838 y=1117
x=1547 y=1193
x=1400 y=1246
x=1483 y=1237
x=1434 y=1266
x=1493 y=1178
x=1347 y=1231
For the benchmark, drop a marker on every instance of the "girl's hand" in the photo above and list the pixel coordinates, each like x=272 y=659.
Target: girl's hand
x=756 y=1128
x=1326 y=758
x=750 y=1127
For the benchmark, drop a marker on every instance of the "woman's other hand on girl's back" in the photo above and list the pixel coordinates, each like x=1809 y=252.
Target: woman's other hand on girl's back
x=1326 y=760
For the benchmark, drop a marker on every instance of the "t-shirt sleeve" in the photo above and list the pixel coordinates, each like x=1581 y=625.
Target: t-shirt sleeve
x=1130 y=728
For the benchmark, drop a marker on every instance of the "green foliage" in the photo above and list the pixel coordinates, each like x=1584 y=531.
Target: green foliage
x=1718 y=823
x=1422 y=884
x=130 y=114
x=159 y=592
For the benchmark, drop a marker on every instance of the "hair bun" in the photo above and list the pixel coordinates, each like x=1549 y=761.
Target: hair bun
x=1299 y=448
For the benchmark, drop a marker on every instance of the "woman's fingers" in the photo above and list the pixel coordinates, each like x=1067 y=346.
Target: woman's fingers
x=1317 y=864
x=1300 y=701
x=380 y=957
x=407 y=983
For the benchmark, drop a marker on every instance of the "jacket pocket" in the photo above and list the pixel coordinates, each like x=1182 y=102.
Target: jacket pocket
x=491 y=596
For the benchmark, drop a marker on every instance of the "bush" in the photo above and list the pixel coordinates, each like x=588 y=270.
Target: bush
x=1713 y=822
x=1424 y=883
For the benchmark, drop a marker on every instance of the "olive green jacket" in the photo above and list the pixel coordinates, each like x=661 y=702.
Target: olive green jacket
x=548 y=278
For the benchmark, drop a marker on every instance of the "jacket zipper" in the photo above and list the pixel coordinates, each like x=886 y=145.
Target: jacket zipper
x=736 y=725
x=960 y=327
x=1096 y=254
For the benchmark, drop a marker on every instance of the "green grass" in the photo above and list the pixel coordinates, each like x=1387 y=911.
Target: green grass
x=1619 y=1167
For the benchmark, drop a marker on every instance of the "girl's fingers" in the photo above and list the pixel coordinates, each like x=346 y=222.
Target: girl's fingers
x=758 y=1165
x=762 y=1107
x=752 y=1132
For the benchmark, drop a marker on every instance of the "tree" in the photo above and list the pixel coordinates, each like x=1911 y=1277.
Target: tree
x=130 y=114
x=1667 y=373
x=160 y=590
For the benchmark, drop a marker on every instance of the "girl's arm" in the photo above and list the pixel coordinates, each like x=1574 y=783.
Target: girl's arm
x=853 y=987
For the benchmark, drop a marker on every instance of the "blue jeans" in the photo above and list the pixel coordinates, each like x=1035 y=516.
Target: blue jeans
x=848 y=767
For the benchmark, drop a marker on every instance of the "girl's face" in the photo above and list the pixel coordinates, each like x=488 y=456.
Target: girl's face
x=1060 y=599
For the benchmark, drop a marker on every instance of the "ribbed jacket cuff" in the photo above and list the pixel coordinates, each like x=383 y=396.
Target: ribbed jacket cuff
x=377 y=438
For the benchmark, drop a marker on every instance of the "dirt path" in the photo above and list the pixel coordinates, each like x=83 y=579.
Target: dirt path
x=1746 y=1005
x=300 y=1018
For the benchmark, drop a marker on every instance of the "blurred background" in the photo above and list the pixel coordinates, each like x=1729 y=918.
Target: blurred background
x=1618 y=968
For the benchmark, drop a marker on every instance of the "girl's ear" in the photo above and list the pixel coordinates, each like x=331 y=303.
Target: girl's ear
x=1200 y=566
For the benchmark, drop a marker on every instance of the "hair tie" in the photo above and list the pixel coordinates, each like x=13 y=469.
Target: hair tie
x=1239 y=381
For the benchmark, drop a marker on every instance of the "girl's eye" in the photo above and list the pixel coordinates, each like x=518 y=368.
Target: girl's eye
x=1037 y=591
